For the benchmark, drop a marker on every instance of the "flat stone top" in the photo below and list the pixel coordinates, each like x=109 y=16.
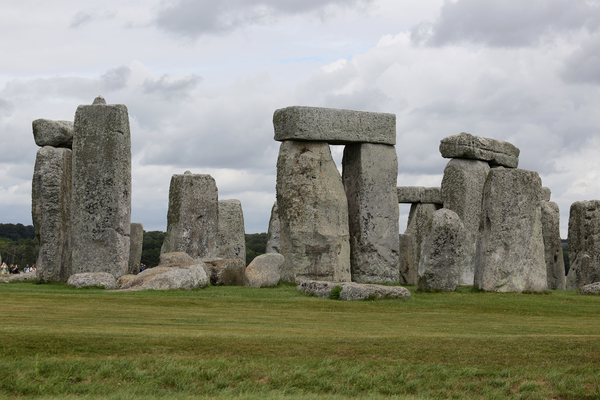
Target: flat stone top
x=334 y=126
x=465 y=145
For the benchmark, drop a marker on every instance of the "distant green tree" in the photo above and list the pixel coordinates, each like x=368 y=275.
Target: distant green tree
x=256 y=244
x=151 y=245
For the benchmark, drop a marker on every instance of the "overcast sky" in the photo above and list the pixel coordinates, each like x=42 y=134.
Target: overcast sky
x=201 y=80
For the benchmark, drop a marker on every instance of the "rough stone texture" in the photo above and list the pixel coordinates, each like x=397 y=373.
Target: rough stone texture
x=419 y=194
x=510 y=247
x=546 y=193
x=86 y=279
x=122 y=281
x=225 y=272
x=51 y=212
x=462 y=192
x=53 y=133
x=584 y=244
x=174 y=258
x=370 y=174
x=592 y=288
x=473 y=147
x=192 y=220
x=555 y=265
x=135 y=248
x=443 y=256
x=264 y=270
x=313 y=212
x=334 y=126
x=273 y=237
x=408 y=268
x=231 y=237
x=419 y=226
x=18 y=277
x=101 y=200
x=354 y=291
x=174 y=276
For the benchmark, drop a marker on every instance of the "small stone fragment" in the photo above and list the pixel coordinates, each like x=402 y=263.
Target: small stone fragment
x=264 y=270
x=473 y=147
x=99 y=101
x=546 y=193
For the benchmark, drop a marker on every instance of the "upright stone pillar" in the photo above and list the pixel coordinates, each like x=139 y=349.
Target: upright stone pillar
x=584 y=244
x=274 y=231
x=135 y=248
x=231 y=239
x=370 y=172
x=51 y=212
x=101 y=201
x=313 y=212
x=193 y=216
x=555 y=265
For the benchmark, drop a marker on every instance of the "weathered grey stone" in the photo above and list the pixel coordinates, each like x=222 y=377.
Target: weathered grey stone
x=135 y=248
x=87 y=279
x=231 y=237
x=473 y=147
x=225 y=271
x=584 y=244
x=408 y=268
x=443 y=256
x=370 y=172
x=192 y=220
x=419 y=226
x=273 y=237
x=53 y=133
x=174 y=258
x=546 y=193
x=101 y=200
x=354 y=291
x=334 y=126
x=51 y=212
x=510 y=247
x=555 y=265
x=99 y=101
x=264 y=270
x=592 y=288
x=313 y=212
x=462 y=192
x=175 y=276
x=18 y=277
x=419 y=194
x=431 y=195
x=122 y=281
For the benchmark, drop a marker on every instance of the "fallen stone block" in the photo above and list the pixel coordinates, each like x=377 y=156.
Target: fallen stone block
x=91 y=279
x=53 y=133
x=122 y=281
x=473 y=147
x=354 y=291
x=264 y=270
x=19 y=277
x=175 y=276
x=592 y=288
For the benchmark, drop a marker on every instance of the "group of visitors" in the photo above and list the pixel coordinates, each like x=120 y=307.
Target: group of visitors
x=14 y=269
x=29 y=269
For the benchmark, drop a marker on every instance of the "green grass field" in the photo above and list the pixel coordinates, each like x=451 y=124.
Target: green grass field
x=237 y=342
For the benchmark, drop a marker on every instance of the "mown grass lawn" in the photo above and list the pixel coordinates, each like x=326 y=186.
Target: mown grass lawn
x=237 y=342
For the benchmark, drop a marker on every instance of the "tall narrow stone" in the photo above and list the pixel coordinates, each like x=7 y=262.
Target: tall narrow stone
x=408 y=268
x=193 y=216
x=274 y=231
x=101 y=201
x=231 y=239
x=135 y=248
x=555 y=265
x=584 y=244
x=462 y=192
x=370 y=172
x=510 y=248
x=51 y=212
x=313 y=212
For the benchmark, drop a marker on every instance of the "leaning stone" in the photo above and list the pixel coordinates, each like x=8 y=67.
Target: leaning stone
x=546 y=193
x=174 y=258
x=192 y=220
x=225 y=271
x=53 y=133
x=592 y=288
x=555 y=265
x=473 y=147
x=334 y=126
x=122 y=281
x=51 y=213
x=584 y=244
x=135 y=248
x=408 y=268
x=510 y=249
x=101 y=200
x=313 y=212
x=353 y=291
x=178 y=276
x=264 y=270
x=231 y=237
x=462 y=192
x=409 y=194
x=443 y=257
x=370 y=172
x=273 y=237
x=90 y=279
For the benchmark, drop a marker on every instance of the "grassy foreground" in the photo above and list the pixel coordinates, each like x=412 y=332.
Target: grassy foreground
x=237 y=342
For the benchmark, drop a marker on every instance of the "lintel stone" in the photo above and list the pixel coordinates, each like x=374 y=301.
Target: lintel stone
x=419 y=194
x=465 y=145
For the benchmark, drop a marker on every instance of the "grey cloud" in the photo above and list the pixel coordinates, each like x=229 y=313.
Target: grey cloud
x=169 y=89
x=502 y=23
x=583 y=65
x=85 y=17
x=191 y=18
x=6 y=107
x=79 y=88
x=116 y=78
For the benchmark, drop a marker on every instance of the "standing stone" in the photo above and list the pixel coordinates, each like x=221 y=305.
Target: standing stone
x=51 y=212
x=231 y=239
x=101 y=201
x=584 y=244
x=462 y=192
x=419 y=226
x=465 y=145
x=408 y=268
x=370 y=172
x=555 y=265
x=274 y=231
x=443 y=257
x=135 y=248
x=510 y=248
x=313 y=212
x=192 y=219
